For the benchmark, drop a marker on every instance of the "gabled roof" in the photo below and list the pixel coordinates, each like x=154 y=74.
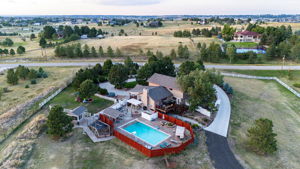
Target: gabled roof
x=79 y=110
x=163 y=80
x=159 y=93
x=247 y=33
x=110 y=112
x=139 y=89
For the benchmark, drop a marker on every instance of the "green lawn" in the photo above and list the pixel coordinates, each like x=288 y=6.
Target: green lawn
x=244 y=44
x=67 y=99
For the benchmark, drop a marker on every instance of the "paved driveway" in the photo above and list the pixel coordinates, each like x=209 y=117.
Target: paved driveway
x=111 y=88
x=221 y=122
x=220 y=152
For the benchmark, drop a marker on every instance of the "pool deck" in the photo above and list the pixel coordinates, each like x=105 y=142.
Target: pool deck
x=156 y=124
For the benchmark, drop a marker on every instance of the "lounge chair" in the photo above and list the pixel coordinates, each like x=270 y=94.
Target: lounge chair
x=148 y=147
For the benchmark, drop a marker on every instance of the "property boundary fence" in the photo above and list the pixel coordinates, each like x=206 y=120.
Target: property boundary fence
x=157 y=152
x=263 y=78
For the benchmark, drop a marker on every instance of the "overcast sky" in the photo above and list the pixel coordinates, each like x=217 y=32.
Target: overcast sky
x=147 y=7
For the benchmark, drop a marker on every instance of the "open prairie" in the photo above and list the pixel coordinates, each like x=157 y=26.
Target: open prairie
x=255 y=99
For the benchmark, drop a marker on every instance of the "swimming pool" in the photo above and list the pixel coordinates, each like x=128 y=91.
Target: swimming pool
x=258 y=51
x=146 y=133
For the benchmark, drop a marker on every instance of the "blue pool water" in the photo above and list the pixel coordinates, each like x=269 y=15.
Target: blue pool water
x=146 y=133
x=258 y=51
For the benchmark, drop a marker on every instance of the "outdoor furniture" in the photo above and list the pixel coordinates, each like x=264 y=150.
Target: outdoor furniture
x=164 y=145
x=175 y=141
x=148 y=147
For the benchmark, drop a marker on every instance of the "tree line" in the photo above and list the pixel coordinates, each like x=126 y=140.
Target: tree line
x=24 y=73
x=76 y=50
x=12 y=52
x=214 y=31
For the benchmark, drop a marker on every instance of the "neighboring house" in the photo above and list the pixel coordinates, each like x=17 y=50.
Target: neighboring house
x=78 y=113
x=162 y=93
x=100 y=36
x=83 y=37
x=247 y=36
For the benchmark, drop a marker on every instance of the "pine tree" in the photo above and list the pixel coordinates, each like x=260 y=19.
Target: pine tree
x=101 y=52
x=261 y=137
x=12 y=77
x=93 y=52
x=110 y=52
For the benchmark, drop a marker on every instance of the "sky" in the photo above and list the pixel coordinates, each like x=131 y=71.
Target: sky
x=148 y=7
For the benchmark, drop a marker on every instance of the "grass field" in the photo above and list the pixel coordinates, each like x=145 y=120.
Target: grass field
x=255 y=99
x=243 y=44
x=281 y=74
x=18 y=94
x=66 y=99
x=79 y=152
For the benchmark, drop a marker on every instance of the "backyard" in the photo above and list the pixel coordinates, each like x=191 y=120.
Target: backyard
x=255 y=99
x=79 y=152
x=67 y=99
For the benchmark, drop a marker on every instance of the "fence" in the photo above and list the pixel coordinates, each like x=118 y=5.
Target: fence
x=163 y=151
x=264 y=78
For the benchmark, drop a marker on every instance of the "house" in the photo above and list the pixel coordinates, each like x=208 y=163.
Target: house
x=78 y=113
x=170 y=84
x=100 y=36
x=247 y=36
x=83 y=37
x=161 y=94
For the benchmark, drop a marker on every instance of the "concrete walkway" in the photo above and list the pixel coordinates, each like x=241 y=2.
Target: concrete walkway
x=221 y=122
x=111 y=88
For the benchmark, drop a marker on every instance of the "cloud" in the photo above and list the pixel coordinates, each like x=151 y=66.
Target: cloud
x=128 y=2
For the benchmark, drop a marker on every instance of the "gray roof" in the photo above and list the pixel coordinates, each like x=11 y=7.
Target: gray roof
x=79 y=110
x=139 y=88
x=113 y=113
x=163 y=80
x=159 y=93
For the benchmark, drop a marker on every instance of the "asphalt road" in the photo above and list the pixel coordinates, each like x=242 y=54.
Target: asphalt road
x=62 y=64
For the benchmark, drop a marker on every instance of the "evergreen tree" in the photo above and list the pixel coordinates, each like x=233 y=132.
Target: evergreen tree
x=173 y=54
x=12 y=77
x=93 y=52
x=118 y=53
x=110 y=52
x=58 y=122
x=101 y=52
x=86 y=51
x=12 y=52
x=261 y=138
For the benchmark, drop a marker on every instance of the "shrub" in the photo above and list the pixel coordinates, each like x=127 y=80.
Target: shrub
x=102 y=79
x=33 y=81
x=103 y=91
x=261 y=138
x=26 y=86
x=130 y=85
x=296 y=85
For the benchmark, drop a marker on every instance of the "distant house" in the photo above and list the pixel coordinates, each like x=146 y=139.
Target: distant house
x=100 y=36
x=154 y=24
x=83 y=37
x=247 y=36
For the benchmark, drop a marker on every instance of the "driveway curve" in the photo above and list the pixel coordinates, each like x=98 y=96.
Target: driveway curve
x=221 y=122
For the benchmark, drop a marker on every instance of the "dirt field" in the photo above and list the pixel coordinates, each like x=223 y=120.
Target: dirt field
x=255 y=99
x=131 y=45
x=79 y=152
